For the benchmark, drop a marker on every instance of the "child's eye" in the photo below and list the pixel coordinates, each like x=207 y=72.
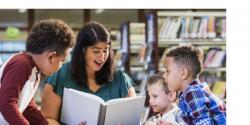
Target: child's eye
x=155 y=96
x=95 y=52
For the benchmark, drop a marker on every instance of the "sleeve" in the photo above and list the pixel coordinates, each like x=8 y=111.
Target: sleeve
x=196 y=103
x=33 y=115
x=14 y=77
x=126 y=83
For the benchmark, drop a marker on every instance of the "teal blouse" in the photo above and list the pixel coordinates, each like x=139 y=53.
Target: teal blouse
x=117 y=88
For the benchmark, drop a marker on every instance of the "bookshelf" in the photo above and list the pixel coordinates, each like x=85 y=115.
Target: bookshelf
x=10 y=46
x=151 y=56
x=132 y=36
x=205 y=42
x=182 y=28
x=115 y=38
x=189 y=13
x=152 y=49
x=191 y=25
x=122 y=55
x=204 y=29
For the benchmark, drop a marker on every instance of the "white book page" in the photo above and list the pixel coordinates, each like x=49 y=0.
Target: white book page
x=88 y=95
x=79 y=106
x=126 y=111
x=112 y=101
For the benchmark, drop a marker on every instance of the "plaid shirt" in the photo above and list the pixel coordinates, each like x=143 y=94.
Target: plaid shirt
x=200 y=107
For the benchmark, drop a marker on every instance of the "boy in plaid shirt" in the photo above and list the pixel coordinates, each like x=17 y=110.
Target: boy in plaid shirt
x=198 y=105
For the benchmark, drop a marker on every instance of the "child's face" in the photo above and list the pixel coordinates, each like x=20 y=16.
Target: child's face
x=54 y=62
x=158 y=99
x=172 y=74
x=96 y=56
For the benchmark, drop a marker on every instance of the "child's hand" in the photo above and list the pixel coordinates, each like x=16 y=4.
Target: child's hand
x=162 y=122
x=83 y=123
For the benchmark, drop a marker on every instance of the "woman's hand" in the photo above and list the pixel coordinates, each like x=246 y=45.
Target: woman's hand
x=131 y=92
x=52 y=122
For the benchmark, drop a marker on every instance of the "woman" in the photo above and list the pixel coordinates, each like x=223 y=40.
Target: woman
x=90 y=70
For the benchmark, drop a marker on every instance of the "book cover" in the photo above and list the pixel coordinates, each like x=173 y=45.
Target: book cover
x=211 y=27
x=218 y=59
x=79 y=106
x=176 y=28
x=209 y=58
x=219 y=89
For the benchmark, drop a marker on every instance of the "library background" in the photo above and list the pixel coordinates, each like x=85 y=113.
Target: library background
x=140 y=38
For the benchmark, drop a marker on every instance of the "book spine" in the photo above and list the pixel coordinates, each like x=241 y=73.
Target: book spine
x=183 y=27
x=177 y=27
x=223 y=34
x=211 y=27
x=188 y=21
x=102 y=114
x=205 y=28
x=167 y=25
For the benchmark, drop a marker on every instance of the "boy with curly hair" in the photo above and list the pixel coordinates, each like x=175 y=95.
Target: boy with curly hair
x=47 y=47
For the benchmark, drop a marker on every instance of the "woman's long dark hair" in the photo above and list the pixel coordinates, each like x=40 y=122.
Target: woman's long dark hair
x=89 y=35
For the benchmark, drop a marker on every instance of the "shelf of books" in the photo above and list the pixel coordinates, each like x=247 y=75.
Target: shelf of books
x=11 y=44
x=115 y=38
x=206 y=42
x=149 y=56
x=191 y=25
x=132 y=40
x=203 y=29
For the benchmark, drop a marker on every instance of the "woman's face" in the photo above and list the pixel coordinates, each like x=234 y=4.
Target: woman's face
x=97 y=55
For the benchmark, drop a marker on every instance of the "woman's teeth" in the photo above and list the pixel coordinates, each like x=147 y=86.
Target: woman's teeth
x=98 y=63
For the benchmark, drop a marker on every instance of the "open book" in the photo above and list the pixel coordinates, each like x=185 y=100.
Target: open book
x=79 y=106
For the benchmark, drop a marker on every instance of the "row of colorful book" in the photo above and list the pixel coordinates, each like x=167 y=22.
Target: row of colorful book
x=192 y=27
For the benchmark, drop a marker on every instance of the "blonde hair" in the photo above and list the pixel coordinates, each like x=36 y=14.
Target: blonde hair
x=158 y=78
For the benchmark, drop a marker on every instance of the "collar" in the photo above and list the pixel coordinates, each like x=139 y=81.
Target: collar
x=31 y=60
x=194 y=82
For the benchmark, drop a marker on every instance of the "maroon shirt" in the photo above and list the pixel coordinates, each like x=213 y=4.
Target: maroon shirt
x=15 y=74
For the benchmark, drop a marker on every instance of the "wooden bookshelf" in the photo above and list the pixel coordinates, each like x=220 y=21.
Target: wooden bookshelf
x=132 y=39
x=204 y=42
x=220 y=69
x=152 y=43
x=199 y=42
x=10 y=46
x=161 y=44
x=190 y=13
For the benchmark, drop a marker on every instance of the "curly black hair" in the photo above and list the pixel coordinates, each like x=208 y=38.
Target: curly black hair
x=50 y=35
x=189 y=56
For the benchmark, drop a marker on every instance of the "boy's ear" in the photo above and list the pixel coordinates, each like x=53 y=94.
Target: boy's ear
x=172 y=96
x=184 y=73
x=50 y=55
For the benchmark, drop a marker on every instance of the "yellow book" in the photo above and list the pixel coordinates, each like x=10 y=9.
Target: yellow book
x=219 y=88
